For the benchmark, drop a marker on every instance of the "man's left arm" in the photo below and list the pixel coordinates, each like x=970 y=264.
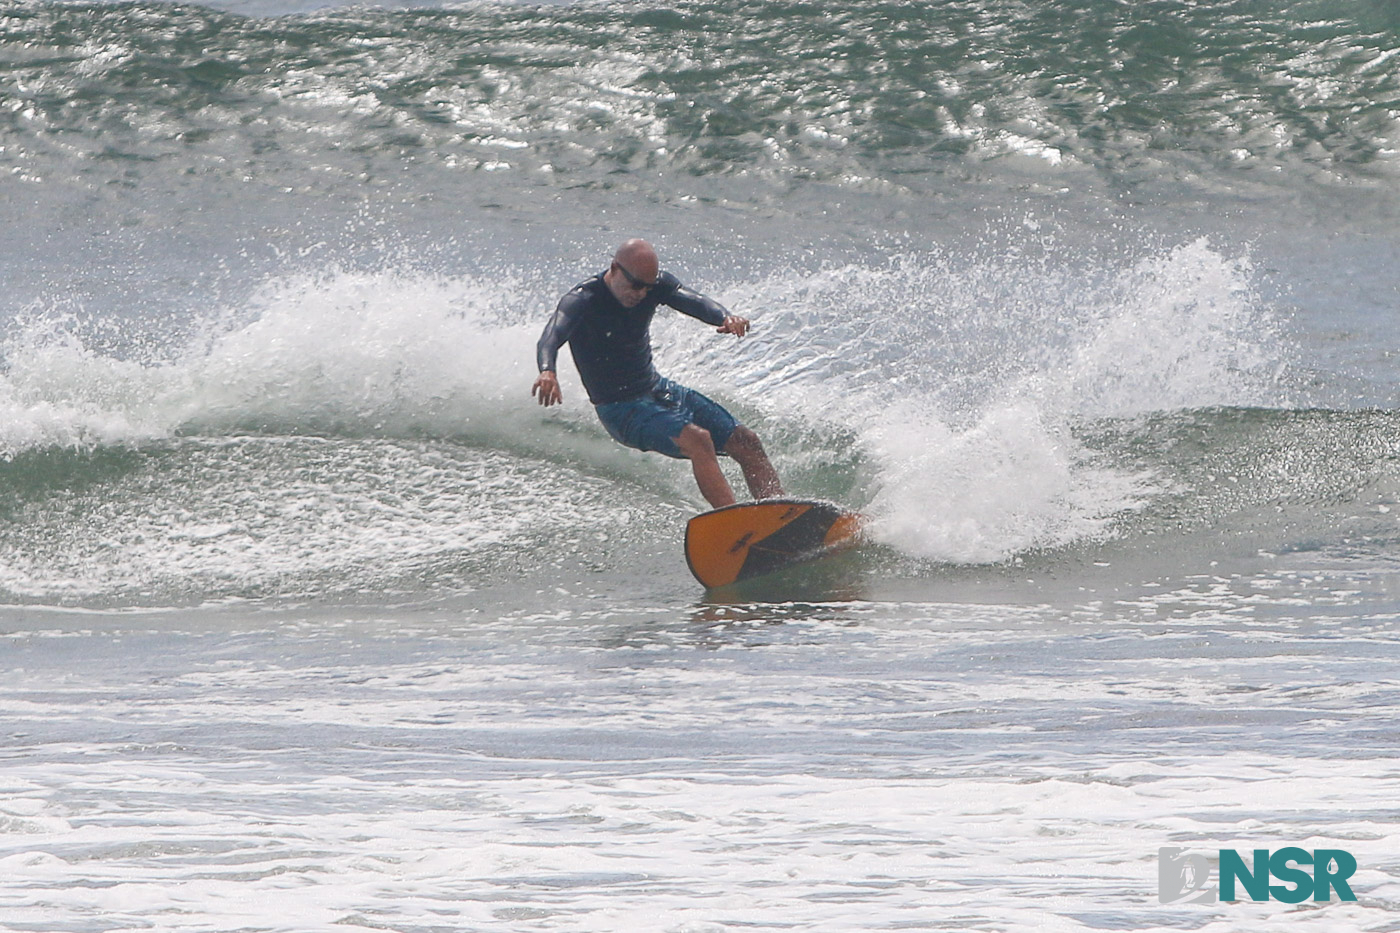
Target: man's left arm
x=702 y=307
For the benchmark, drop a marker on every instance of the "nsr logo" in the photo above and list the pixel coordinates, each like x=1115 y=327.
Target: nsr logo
x=1185 y=879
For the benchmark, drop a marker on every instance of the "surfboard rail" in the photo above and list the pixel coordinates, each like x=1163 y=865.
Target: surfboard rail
x=750 y=539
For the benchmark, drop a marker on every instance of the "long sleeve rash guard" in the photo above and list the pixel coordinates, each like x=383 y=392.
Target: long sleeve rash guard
x=611 y=344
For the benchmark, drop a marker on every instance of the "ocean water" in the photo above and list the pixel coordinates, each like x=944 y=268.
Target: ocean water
x=311 y=619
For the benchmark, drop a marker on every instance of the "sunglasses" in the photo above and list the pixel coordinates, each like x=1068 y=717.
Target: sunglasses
x=636 y=283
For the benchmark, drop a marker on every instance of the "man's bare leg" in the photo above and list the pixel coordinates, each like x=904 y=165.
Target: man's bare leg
x=745 y=447
x=696 y=444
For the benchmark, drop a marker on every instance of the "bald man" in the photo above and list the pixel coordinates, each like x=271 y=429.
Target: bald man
x=606 y=321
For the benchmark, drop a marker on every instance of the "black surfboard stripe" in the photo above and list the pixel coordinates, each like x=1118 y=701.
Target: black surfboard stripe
x=804 y=535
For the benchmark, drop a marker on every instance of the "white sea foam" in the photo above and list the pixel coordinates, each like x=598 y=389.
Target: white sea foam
x=963 y=381
x=1007 y=484
x=1174 y=331
x=368 y=354
x=635 y=768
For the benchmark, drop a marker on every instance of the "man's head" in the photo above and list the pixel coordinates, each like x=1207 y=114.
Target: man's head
x=633 y=272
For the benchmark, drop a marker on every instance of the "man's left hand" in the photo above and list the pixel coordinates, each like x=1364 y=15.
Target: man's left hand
x=733 y=324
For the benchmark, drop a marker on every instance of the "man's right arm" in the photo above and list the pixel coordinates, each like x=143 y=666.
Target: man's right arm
x=556 y=334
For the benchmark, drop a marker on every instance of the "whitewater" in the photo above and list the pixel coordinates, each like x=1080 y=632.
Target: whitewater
x=312 y=619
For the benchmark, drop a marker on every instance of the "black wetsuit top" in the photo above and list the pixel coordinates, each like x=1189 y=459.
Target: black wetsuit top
x=612 y=344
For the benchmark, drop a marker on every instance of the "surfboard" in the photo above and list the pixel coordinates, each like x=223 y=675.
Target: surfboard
x=750 y=539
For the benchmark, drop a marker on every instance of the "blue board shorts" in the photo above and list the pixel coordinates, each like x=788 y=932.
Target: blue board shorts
x=654 y=421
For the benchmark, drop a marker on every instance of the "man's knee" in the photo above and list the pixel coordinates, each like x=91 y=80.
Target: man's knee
x=694 y=441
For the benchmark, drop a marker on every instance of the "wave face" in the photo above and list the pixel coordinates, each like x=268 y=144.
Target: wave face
x=343 y=432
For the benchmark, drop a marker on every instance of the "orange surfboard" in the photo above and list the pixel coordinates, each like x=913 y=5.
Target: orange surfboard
x=750 y=539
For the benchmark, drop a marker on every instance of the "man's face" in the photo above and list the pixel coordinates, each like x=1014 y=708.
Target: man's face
x=628 y=286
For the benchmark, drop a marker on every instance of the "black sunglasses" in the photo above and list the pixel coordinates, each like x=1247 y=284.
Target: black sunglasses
x=636 y=283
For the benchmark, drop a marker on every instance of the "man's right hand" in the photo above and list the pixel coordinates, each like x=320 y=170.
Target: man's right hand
x=547 y=389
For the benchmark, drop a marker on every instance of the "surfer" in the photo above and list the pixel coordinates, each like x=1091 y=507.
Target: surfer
x=606 y=321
